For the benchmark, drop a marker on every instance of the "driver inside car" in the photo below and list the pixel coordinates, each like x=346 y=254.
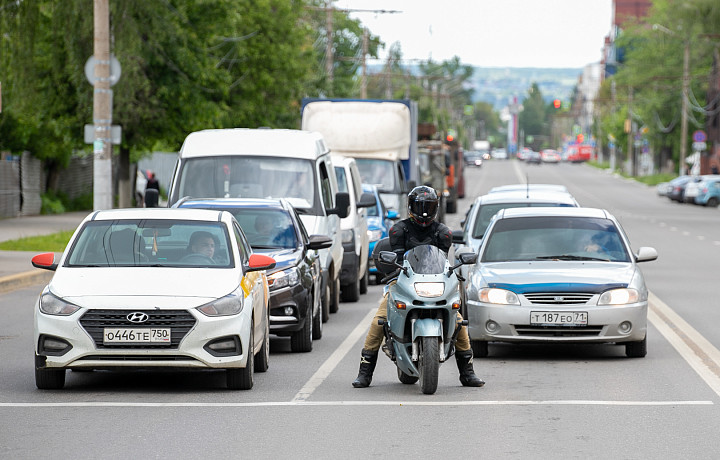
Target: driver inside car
x=201 y=243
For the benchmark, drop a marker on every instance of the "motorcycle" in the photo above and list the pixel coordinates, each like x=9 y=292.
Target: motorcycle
x=422 y=306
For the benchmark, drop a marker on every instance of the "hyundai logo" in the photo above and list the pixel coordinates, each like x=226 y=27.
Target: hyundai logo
x=559 y=299
x=137 y=317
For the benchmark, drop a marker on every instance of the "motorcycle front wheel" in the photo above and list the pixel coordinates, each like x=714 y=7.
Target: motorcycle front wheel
x=429 y=364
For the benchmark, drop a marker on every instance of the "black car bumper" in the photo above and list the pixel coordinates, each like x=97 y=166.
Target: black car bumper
x=298 y=298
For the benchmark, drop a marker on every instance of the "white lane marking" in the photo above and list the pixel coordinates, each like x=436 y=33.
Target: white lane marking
x=370 y=403
x=699 y=353
x=322 y=373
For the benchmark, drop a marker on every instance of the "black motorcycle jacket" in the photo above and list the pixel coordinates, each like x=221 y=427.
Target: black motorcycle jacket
x=406 y=235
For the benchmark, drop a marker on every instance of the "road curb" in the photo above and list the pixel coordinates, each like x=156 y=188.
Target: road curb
x=25 y=279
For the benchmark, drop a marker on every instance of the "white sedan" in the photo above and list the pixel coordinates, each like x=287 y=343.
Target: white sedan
x=558 y=275
x=154 y=288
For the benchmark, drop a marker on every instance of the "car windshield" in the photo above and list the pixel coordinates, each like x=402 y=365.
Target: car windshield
x=487 y=211
x=249 y=177
x=378 y=172
x=267 y=228
x=155 y=243
x=554 y=238
x=426 y=259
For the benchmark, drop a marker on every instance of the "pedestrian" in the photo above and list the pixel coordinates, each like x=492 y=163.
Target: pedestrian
x=152 y=181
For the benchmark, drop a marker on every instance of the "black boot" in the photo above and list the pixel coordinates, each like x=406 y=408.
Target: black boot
x=467 y=374
x=367 y=367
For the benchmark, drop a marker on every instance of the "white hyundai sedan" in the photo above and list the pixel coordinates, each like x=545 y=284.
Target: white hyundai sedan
x=154 y=288
x=558 y=275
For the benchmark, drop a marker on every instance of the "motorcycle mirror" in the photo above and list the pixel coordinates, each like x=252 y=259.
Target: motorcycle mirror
x=388 y=257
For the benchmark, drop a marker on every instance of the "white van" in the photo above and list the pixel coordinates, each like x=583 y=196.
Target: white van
x=270 y=163
x=356 y=241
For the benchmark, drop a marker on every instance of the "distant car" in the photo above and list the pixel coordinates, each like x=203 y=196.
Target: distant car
x=550 y=156
x=379 y=221
x=533 y=157
x=274 y=228
x=558 y=275
x=154 y=288
x=579 y=153
x=677 y=188
x=693 y=188
x=709 y=192
x=486 y=206
x=499 y=154
x=473 y=158
x=527 y=187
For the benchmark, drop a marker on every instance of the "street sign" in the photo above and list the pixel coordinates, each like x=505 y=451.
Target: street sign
x=115 y=134
x=699 y=146
x=699 y=136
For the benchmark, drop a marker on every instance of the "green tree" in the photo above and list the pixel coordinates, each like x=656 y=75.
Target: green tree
x=533 y=119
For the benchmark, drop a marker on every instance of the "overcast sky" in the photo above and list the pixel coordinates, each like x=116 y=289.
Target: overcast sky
x=491 y=33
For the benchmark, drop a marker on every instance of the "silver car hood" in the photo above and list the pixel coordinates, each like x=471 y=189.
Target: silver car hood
x=553 y=276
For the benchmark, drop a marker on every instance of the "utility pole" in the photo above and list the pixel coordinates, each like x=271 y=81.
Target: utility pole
x=629 y=130
x=102 y=108
x=684 y=109
x=329 y=45
x=363 y=80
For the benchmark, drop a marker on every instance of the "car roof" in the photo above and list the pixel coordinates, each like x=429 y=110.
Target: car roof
x=291 y=143
x=510 y=187
x=233 y=203
x=522 y=196
x=510 y=213
x=158 y=213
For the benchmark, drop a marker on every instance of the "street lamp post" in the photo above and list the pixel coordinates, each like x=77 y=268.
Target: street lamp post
x=684 y=101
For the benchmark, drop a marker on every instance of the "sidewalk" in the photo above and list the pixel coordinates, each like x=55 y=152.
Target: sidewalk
x=16 y=270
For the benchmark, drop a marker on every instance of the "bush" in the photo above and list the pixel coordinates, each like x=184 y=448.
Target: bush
x=51 y=204
x=58 y=203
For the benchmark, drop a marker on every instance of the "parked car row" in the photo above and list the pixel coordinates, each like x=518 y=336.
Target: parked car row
x=266 y=233
x=702 y=190
x=550 y=271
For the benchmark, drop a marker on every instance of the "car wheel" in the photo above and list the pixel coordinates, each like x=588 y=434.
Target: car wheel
x=364 y=281
x=317 y=318
x=262 y=359
x=325 y=314
x=713 y=202
x=301 y=341
x=479 y=348
x=49 y=379
x=351 y=292
x=636 y=349
x=335 y=296
x=242 y=378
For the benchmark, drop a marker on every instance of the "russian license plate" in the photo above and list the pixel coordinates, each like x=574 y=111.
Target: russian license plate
x=140 y=335
x=558 y=318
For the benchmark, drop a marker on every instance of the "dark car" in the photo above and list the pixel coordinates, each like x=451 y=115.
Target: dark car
x=274 y=228
x=676 y=188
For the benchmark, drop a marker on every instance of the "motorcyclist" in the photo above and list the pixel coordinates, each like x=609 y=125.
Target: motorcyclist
x=418 y=229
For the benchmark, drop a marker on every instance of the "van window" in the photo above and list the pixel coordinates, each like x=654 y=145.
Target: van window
x=327 y=195
x=341 y=179
x=249 y=177
x=380 y=173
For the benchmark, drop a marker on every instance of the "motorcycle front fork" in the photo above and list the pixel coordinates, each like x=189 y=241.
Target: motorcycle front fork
x=389 y=350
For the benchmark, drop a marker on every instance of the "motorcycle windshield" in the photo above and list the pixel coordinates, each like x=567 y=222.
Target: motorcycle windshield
x=426 y=259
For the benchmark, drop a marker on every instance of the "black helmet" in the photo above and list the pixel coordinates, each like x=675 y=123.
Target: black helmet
x=423 y=205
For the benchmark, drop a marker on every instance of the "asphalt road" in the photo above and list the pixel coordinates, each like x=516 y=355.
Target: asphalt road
x=539 y=401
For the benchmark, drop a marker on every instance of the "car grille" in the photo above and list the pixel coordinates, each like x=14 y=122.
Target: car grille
x=559 y=298
x=179 y=321
x=558 y=331
x=142 y=358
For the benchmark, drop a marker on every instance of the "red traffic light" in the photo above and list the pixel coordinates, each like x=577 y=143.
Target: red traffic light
x=557 y=103
x=450 y=138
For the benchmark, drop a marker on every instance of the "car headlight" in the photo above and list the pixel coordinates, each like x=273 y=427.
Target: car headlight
x=498 y=296
x=231 y=304
x=53 y=305
x=619 y=297
x=348 y=236
x=429 y=289
x=283 y=278
x=374 y=235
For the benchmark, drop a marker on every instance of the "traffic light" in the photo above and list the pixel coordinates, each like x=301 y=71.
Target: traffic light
x=557 y=103
x=450 y=138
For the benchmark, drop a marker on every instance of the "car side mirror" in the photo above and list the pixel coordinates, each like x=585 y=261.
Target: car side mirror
x=392 y=214
x=467 y=258
x=259 y=262
x=457 y=237
x=45 y=261
x=342 y=205
x=319 y=242
x=646 y=254
x=367 y=200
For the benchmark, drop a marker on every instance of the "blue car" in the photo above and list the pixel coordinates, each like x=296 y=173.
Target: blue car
x=379 y=221
x=709 y=192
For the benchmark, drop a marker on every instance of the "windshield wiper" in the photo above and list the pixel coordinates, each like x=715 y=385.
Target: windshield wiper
x=570 y=257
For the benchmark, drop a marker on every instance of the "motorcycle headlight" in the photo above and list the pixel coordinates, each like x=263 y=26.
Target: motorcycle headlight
x=53 y=305
x=284 y=278
x=498 y=296
x=374 y=235
x=429 y=289
x=619 y=297
x=348 y=236
x=231 y=304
